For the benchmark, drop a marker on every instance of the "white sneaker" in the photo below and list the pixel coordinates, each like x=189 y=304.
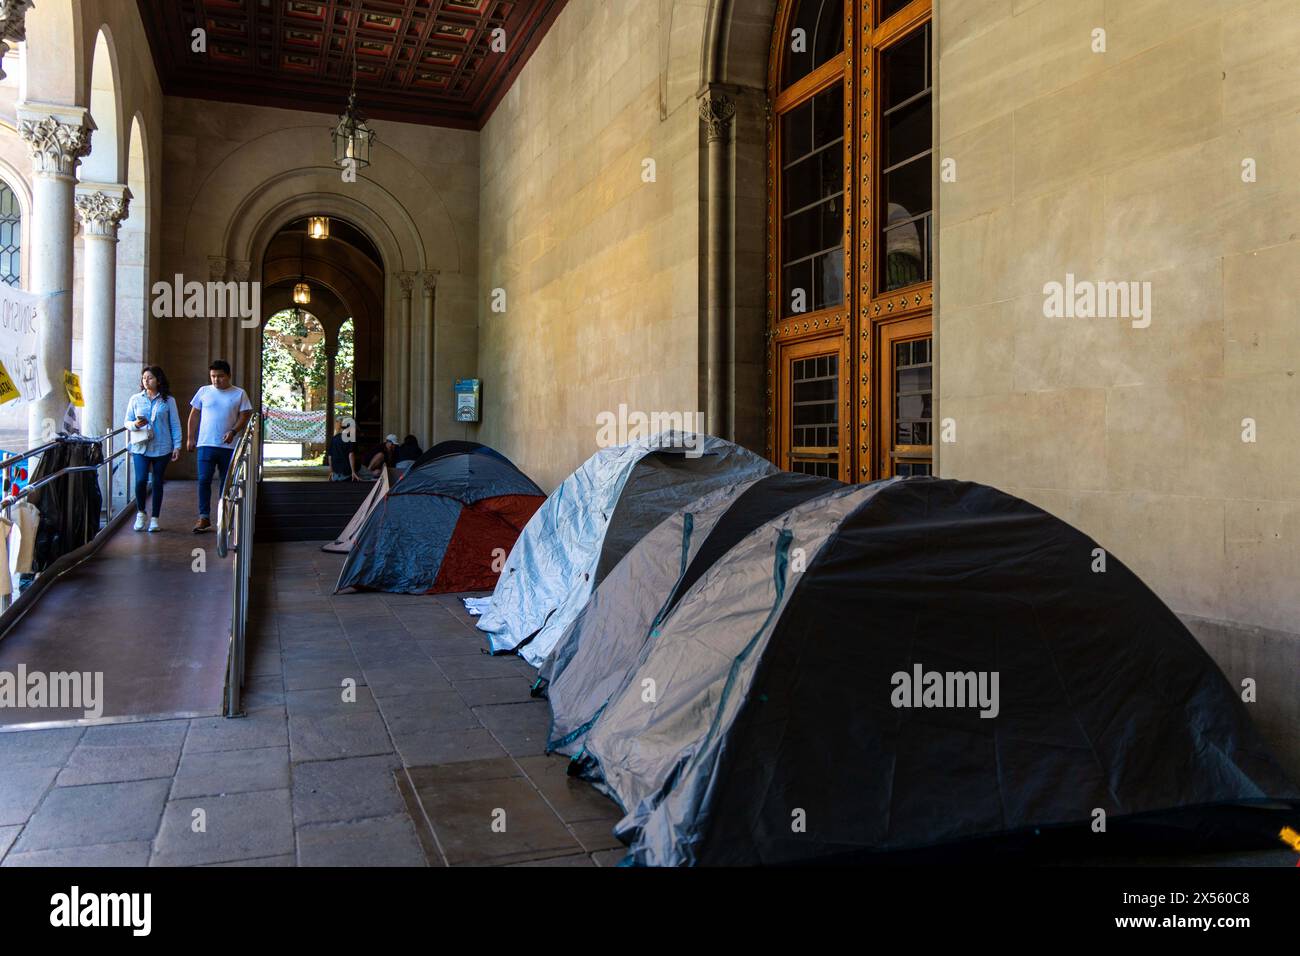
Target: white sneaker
x=153 y=525
x=139 y=521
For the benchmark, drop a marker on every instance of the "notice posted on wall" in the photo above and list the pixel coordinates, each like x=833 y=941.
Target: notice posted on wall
x=21 y=317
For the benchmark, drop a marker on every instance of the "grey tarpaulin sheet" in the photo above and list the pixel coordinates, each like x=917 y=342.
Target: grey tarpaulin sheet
x=551 y=570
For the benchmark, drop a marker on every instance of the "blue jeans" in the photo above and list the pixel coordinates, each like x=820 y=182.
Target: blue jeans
x=211 y=456
x=143 y=466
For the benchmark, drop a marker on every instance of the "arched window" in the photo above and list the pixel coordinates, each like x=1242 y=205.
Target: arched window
x=850 y=183
x=11 y=237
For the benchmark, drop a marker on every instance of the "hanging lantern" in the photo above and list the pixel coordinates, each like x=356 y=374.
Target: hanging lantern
x=352 y=137
x=302 y=294
x=318 y=227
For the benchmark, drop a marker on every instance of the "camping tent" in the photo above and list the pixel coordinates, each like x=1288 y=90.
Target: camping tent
x=950 y=663
x=594 y=518
x=591 y=660
x=445 y=525
x=348 y=536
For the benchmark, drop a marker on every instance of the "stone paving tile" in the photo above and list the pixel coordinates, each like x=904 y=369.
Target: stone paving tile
x=38 y=748
x=130 y=751
x=449 y=746
x=334 y=791
x=451 y=645
x=133 y=853
x=581 y=859
x=475 y=668
x=494 y=690
x=337 y=735
x=521 y=728
x=264 y=691
x=332 y=638
x=203 y=774
x=609 y=857
x=265 y=665
x=574 y=799
x=7 y=837
x=423 y=831
x=239 y=826
x=287 y=859
x=387 y=680
x=93 y=814
x=428 y=712
x=311 y=675
x=380 y=841
x=333 y=651
x=595 y=835
x=21 y=789
x=329 y=701
x=260 y=728
x=493 y=821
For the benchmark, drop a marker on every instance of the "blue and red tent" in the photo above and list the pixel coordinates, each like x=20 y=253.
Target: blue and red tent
x=447 y=524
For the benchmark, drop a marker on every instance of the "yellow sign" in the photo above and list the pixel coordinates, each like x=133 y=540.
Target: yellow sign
x=8 y=391
x=73 y=385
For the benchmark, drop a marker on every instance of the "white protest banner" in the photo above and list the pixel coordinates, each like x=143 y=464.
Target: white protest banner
x=21 y=317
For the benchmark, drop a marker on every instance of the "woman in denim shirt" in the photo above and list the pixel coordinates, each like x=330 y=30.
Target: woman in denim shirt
x=153 y=408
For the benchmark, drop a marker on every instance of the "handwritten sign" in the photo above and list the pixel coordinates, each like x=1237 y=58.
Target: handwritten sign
x=21 y=317
x=73 y=386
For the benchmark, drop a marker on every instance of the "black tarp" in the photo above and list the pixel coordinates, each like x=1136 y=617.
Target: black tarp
x=70 y=506
x=782 y=708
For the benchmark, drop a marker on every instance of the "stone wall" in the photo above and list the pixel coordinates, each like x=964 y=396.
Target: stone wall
x=599 y=268
x=1127 y=166
x=248 y=171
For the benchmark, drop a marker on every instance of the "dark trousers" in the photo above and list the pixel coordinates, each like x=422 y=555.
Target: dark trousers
x=210 y=457
x=144 y=466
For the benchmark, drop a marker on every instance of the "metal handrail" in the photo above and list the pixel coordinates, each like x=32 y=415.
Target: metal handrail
x=236 y=511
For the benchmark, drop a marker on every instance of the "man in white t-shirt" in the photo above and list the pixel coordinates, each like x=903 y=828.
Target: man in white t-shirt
x=221 y=411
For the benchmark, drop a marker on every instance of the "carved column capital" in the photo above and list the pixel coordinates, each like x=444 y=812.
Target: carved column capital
x=13 y=25
x=717 y=112
x=217 y=267
x=406 y=282
x=101 y=208
x=58 y=137
x=240 y=269
x=429 y=280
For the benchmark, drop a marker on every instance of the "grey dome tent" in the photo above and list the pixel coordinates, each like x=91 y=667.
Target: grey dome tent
x=591 y=660
x=778 y=692
x=594 y=518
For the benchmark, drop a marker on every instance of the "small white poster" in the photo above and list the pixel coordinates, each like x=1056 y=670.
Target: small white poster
x=21 y=317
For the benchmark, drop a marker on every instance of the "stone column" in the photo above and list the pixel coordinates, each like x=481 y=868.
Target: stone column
x=58 y=136
x=101 y=208
x=406 y=280
x=13 y=25
x=717 y=112
x=430 y=284
x=239 y=340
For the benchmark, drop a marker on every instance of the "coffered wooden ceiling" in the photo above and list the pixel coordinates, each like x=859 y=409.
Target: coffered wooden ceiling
x=417 y=61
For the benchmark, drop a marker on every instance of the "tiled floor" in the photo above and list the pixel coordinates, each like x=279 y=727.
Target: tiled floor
x=377 y=733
